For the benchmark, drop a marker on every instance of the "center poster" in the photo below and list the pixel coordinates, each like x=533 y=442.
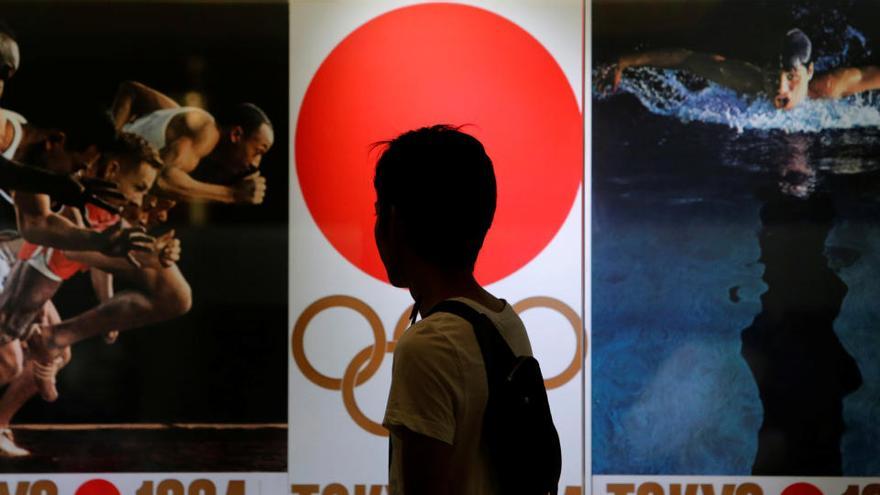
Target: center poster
x=508 y=73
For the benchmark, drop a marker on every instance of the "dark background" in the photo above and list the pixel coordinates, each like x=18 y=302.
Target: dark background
x=226 y=360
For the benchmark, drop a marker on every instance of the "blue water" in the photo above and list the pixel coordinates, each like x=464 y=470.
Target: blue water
x=667 y=92
x=680 y=177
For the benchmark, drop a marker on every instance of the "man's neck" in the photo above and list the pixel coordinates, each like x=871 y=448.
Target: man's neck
x=433 y=286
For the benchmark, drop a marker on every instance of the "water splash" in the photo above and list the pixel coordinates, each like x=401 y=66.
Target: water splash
x=665 y=92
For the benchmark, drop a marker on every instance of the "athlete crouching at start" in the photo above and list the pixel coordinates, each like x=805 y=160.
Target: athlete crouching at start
x=25 y=306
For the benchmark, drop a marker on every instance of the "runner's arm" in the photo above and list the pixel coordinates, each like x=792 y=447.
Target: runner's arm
x=38 y=224
x=182 y=156
x=180 y=185
x=134 y=99
x=163 y=252
x=19 y=177
x=102 y=282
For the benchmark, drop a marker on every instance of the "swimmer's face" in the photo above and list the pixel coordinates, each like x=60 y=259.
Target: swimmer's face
x=134 y=182
x=790 y=86
x=246 y=152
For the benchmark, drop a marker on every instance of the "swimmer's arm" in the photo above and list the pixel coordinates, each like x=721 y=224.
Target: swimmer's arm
x=735 y=74
x=134 y=99
x=38 y=224
x=846 y=81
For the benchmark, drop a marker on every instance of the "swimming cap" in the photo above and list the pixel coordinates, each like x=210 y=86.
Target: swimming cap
x=796 y=49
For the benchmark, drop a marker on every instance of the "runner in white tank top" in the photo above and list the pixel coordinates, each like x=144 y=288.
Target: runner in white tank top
x=186 y=136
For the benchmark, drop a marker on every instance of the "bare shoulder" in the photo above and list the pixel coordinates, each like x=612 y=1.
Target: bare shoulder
x=196 y=121
x=836 y=83
x=195 y=125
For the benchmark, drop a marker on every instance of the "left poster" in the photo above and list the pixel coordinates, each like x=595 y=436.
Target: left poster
x=192 y=395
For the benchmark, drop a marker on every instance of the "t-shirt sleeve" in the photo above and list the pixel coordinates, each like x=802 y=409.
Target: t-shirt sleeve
x=426 y=384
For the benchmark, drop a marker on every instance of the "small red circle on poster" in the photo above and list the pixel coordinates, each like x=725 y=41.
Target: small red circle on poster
x=442 y=63
x=802 y=489
x=97 y=487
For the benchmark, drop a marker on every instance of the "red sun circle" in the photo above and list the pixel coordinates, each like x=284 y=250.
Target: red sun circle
x=452 y=64
x=801 y=489
x=97 y=487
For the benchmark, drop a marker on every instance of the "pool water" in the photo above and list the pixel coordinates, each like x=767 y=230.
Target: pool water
x=735 y=274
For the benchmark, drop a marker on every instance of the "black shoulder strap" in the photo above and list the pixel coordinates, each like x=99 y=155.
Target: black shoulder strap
x=497 y=354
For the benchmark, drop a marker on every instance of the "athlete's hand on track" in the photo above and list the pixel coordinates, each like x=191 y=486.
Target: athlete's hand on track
x=251 y=189
x=127 y=241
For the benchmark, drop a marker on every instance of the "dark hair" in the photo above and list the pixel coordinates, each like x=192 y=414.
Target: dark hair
x=796 y=50
x=133 y=150
x=88 y=127
x=249 y=116
x=130 y=150
x=442 y=184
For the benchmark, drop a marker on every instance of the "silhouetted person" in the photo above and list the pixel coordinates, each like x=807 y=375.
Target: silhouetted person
x=435 y=191
x=801 y=368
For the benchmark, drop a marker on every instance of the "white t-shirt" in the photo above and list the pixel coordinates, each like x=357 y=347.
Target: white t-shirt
x=439 y=389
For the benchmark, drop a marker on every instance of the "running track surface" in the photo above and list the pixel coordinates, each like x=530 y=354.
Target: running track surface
x=149 y=448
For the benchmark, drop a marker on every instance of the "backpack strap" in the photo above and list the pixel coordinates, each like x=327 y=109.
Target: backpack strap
x=498 y=357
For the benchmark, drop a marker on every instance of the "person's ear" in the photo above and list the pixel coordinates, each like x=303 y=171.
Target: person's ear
x=111 y=169
x=810 y=71
x=236 y=134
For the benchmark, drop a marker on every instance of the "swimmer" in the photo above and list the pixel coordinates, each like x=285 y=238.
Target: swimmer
x=789 y=83
x=231 y=147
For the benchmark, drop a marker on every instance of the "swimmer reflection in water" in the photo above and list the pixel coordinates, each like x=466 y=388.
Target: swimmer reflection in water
x=786 y=85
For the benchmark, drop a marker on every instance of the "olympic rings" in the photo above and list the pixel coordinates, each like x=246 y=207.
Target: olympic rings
x=574 y=320
x=367 y=361
x=299 y=331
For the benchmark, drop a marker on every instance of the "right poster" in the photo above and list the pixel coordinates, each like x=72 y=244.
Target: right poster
x=735 y=247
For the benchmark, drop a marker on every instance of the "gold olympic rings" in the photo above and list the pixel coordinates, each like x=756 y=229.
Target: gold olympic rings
x=367 y=361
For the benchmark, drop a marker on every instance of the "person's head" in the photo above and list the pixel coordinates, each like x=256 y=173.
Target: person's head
x=435 y=200
x=792 y=77
x=131 y=163
x=73 y=141
x=246 y=134
x=10 y=58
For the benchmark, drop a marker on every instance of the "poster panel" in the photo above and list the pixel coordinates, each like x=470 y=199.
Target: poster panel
x=510 y=72
x=192 y=396
x=734 y=240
